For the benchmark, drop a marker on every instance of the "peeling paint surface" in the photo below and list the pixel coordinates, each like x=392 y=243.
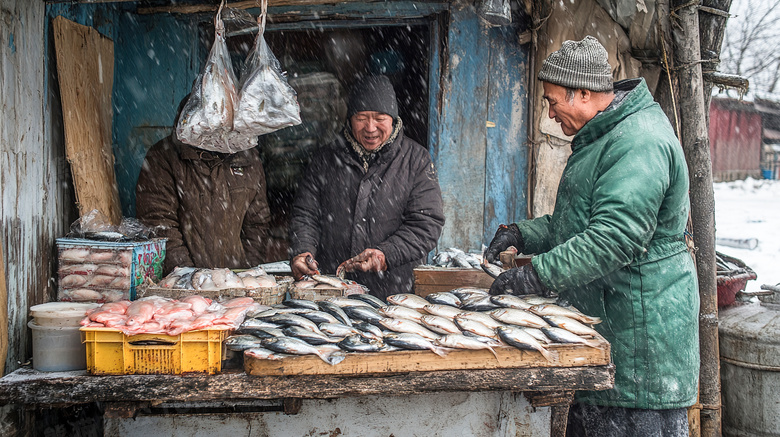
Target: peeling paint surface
x=448 y=414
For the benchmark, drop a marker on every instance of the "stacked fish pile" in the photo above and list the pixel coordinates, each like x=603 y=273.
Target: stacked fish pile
x=94 y=275
x=191 y=278
x=464 y=318
x=158 y=315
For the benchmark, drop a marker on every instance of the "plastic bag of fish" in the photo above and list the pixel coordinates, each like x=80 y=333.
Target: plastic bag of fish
x=191 y=278
x=217 y=117
x=464 y=318
x=454 y=257
x=266 y=102
x=207 y=118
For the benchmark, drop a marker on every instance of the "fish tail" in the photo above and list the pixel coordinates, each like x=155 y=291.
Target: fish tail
x=591 y=320
x=494 y=352
x=547 y=354
x=440 y=351
x=334 y=358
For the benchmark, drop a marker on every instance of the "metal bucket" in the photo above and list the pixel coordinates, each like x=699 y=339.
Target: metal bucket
x=750 y=368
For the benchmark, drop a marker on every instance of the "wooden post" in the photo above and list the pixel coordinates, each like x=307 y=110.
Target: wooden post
x=695 y=142
x=712 y=25
x=3 y=312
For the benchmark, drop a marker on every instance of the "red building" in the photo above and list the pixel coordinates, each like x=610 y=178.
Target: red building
x=735 y=139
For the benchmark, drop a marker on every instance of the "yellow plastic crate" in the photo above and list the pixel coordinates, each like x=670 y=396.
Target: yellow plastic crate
x=110 y=352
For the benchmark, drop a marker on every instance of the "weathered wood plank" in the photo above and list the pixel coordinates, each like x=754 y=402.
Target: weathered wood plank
x=564 y=355
x=460 y=149
x=506 y=157
x=85 y=64
x=27 y=386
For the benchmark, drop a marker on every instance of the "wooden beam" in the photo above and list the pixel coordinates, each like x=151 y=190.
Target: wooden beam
x=202 y=8
x=3 y=310
x=29 y=387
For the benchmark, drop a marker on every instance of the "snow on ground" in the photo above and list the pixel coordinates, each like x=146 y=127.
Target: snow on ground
x=751 y=209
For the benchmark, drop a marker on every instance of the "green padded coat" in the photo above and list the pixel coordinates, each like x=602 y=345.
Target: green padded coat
x=614 y=248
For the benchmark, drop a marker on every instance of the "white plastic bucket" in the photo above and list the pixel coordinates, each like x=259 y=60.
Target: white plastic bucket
x=57 y=348
x=60 y=314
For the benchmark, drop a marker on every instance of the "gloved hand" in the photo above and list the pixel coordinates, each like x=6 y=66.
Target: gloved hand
x=519 y=281
x=304 y=264
x=505 y=236
x=370 y=260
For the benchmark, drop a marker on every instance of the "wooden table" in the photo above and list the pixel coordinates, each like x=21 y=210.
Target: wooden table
x=123 y=395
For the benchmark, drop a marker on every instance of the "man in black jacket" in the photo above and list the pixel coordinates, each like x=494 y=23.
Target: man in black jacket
x=370 y=201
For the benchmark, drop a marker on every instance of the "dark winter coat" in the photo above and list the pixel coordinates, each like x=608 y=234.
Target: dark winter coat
x=614 y=248
x=395 y=206
x=212 y=207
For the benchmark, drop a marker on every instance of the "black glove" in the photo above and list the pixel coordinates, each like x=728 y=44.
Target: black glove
x=519 y=281
x=505 y=236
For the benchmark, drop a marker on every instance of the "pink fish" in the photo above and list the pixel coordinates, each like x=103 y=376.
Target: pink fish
x=71 y=281
x=140 y=312
x=199 y=303
x=238 y=301
x=233 y=316
x=110 y=270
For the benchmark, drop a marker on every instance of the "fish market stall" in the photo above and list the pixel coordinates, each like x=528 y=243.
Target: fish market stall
x=449 y=360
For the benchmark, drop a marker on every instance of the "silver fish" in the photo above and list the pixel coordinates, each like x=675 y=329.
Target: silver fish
x=262 y=332
x=293 y=319
x=479 y=303
x=459 y=341
x=539 y=300
x=407 y=300
x=257 y=323
x=301 y=303
x=443 y=298
x=319 y=317
x=335 y=311
x=514 y=316
x=406 y=340
x=399 y=312
x=343 y=302
x=262 y=353
x=367 y=298
x=485 y=319
x=563 y=336
x=295 y=346
x=404 y=325
x=369 y=331
x=242 y=342
x=475 y=327
x=465 y=293
x=491 y=269
x=555 y=310
x=440 y=325
x=308 y=336
x=537 y=334
x=521 y=339
x=338 y=330
x=571 y=325
x=510 y=301
x=333 y=281
x=354 y=343
x=443 y=311
x=369 y=314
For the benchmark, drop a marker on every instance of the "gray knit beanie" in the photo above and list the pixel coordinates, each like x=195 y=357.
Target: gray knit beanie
x=579 y=65
x=373 y=93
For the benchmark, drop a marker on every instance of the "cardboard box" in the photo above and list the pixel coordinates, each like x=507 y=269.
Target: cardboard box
x=106 y=271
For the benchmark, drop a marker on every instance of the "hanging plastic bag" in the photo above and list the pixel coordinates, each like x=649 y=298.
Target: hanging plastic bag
x=266 y=102
x=206 y=120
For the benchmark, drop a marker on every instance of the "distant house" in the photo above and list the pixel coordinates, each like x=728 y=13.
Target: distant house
x=735 y=139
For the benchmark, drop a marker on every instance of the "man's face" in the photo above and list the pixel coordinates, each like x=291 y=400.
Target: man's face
x=371 y=129
x=570 y=114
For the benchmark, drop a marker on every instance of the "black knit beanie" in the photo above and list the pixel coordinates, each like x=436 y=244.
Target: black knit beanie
x=373 y=93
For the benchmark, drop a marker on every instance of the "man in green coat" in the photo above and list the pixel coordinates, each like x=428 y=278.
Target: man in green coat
x=614 y=246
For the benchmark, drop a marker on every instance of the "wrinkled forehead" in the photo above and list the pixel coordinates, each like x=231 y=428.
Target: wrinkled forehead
x=553 y=91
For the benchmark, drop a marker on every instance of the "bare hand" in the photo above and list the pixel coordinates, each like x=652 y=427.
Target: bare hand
x=370 y=260
x=304 y=264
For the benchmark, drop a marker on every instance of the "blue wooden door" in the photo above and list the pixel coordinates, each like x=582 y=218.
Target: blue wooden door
x=479 y=136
